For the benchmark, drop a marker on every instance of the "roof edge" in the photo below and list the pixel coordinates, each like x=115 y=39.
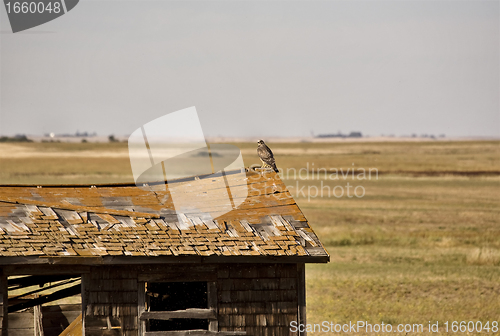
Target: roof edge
x=130 y=260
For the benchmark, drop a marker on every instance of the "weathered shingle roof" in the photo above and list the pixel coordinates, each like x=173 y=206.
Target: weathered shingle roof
x=125 y=220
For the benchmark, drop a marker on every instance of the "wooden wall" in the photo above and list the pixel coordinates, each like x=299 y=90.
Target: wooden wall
x=110 y=299
x=58 y=317
x=3 y=297
x=54 y=318
x=259 y=299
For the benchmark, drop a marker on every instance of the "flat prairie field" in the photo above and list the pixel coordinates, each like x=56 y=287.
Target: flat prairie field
x=412 y=228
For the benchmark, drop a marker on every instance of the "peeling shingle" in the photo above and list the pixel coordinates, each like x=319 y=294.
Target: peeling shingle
x=126 y=220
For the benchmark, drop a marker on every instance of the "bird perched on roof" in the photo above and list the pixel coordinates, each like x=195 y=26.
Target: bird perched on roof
x=266 y=156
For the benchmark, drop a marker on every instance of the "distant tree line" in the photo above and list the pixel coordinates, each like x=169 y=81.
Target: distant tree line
x=16 y=138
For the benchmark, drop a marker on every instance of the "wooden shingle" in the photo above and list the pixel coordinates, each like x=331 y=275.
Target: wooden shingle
x=102 y=220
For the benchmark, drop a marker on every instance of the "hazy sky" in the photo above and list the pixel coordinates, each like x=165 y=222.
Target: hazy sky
x=259 y=68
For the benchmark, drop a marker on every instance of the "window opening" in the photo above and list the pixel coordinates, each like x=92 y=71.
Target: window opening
x=176 y=296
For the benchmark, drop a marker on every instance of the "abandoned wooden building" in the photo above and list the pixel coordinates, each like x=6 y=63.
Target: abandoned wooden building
x=142 y=268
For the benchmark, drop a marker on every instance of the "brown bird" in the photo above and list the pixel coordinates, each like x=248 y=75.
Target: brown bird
x=266 y=156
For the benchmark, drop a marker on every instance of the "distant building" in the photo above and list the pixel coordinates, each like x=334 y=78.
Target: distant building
x=67 y=135
x=340 y=135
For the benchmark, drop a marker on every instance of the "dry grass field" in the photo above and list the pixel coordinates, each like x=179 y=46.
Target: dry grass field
x=422 y=243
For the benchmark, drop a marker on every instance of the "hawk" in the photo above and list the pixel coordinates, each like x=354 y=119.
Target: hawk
x=266 y=156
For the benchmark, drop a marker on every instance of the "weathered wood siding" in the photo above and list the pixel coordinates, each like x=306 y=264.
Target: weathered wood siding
x=3 y=295
x=54 y=318
x=258 y=299
x=110 y=297
x=21 y=323
x=57 y=318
